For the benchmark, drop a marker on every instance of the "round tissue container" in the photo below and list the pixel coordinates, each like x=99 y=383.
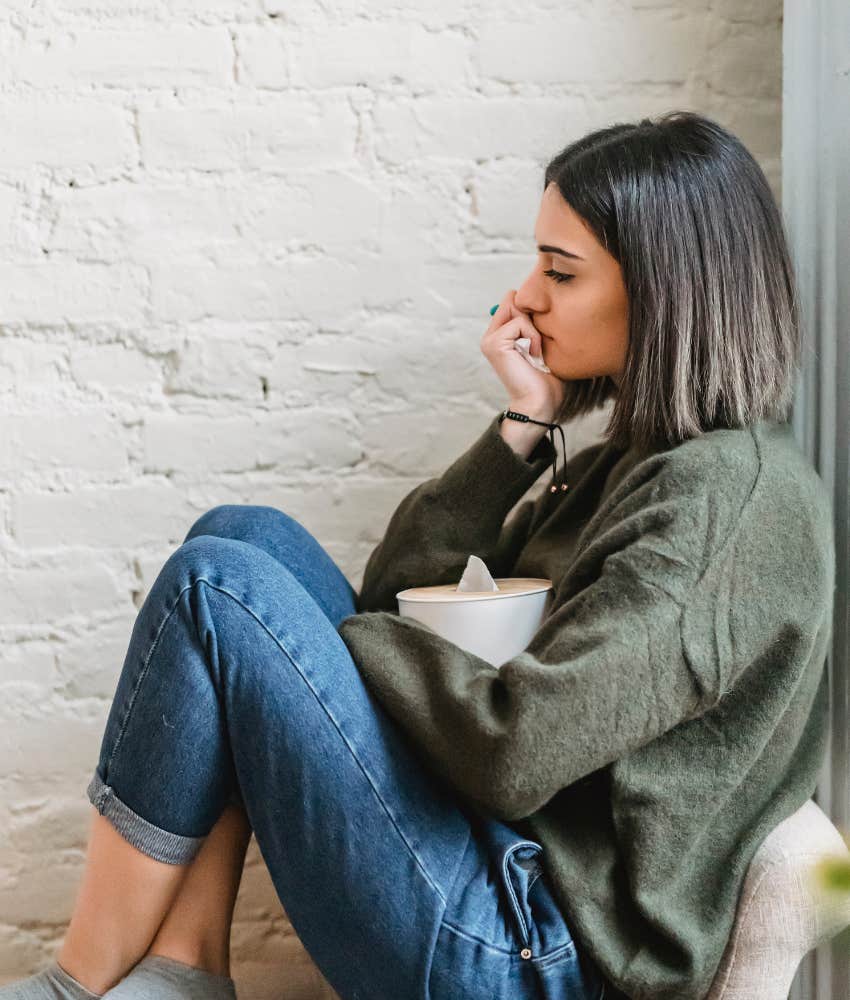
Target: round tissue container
x=493 y=624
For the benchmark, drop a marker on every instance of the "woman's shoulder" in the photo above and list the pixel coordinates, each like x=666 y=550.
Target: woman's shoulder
x=761 y=499
x=725 y=458
x=703 y=493
x=762 y=464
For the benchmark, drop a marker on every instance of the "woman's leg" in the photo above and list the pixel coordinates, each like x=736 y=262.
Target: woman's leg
x=198 y=904
x=121 y=901
x=196 y=929
x=237 y=679
x=234 y=669
x=501 y=881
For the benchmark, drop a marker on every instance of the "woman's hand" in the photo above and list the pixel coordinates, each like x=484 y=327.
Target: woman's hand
x=530 y=391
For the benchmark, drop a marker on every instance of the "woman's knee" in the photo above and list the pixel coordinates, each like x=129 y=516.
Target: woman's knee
x=288 y=542
x=243 y=522
x=201 y=555
x=226 y=563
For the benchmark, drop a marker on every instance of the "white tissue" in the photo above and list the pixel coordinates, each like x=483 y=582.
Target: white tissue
x=523 y=345
x=476 y=576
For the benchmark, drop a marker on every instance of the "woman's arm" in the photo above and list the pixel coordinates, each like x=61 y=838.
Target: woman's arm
x=606 y=673
x=445 y=519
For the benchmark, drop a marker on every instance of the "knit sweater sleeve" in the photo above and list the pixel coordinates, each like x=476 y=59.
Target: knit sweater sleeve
x=444 y=520
x=606 y=673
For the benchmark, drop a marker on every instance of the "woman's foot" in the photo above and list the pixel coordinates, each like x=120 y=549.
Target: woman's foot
x=52 y=983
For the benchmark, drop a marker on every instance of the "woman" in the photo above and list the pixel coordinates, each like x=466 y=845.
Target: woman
x=578 y=823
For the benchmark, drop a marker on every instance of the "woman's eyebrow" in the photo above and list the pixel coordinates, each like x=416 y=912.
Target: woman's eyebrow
x=545 y=248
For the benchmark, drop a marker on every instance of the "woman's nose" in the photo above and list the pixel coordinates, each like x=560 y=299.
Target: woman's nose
x=527 y=299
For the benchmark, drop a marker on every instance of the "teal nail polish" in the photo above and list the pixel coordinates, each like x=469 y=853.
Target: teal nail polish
x=495 y=307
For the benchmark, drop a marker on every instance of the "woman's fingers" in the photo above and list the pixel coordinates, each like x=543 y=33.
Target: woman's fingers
x=503 y=313
x=506 y=314
x=520 y=325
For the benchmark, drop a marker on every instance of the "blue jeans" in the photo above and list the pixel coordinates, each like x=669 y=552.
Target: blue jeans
x=236 y=687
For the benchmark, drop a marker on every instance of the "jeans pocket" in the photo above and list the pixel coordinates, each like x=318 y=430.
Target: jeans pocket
x=544 y=935
x=561 y=968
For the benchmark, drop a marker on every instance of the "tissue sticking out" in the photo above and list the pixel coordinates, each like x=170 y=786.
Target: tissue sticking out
x=476 y=576
x=523 y=345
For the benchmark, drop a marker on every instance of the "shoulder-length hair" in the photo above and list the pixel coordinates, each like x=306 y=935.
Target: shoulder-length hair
x=714 y=326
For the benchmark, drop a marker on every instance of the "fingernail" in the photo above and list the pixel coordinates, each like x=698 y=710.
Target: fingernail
x=495 y=307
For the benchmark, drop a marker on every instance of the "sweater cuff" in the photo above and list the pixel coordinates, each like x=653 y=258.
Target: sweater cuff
x=491 y=469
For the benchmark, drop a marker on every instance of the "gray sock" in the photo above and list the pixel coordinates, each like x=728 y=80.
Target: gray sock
x=52 y=983
x=159 y=978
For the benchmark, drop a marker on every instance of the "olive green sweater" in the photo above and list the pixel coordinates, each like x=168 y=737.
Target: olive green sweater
x=672 y=707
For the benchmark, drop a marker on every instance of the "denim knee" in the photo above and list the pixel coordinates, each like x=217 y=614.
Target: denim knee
x=235 y=520
x=287 y=541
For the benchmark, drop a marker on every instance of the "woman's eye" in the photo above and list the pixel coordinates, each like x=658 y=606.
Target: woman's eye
x=558 y=275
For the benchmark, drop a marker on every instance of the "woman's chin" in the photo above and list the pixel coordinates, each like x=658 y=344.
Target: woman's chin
x=566 y=374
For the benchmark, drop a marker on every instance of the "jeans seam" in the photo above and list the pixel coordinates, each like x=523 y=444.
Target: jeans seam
x=460 y=932
x=378 y=795
x=142 y=675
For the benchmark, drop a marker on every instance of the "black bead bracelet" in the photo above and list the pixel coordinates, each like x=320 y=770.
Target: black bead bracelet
x=513 y=415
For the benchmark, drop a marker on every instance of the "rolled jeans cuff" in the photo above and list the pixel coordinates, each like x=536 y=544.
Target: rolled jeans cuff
x=171 y=848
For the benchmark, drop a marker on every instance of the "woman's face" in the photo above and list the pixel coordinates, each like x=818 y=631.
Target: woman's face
x=583 y=319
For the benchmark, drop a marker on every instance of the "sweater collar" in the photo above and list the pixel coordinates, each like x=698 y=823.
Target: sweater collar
x=622 y=461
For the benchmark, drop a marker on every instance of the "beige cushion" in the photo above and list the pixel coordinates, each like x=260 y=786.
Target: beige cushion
x=782 y=912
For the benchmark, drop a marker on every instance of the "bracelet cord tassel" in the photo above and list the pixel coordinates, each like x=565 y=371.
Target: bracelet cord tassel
x=555 y=487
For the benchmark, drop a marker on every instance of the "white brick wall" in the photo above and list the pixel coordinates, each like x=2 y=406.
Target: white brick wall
x=248 y=249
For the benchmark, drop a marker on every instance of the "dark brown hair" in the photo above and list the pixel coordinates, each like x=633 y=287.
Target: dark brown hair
x=714 y=328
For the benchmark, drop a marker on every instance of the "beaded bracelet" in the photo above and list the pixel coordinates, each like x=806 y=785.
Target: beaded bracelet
x=513 y=415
